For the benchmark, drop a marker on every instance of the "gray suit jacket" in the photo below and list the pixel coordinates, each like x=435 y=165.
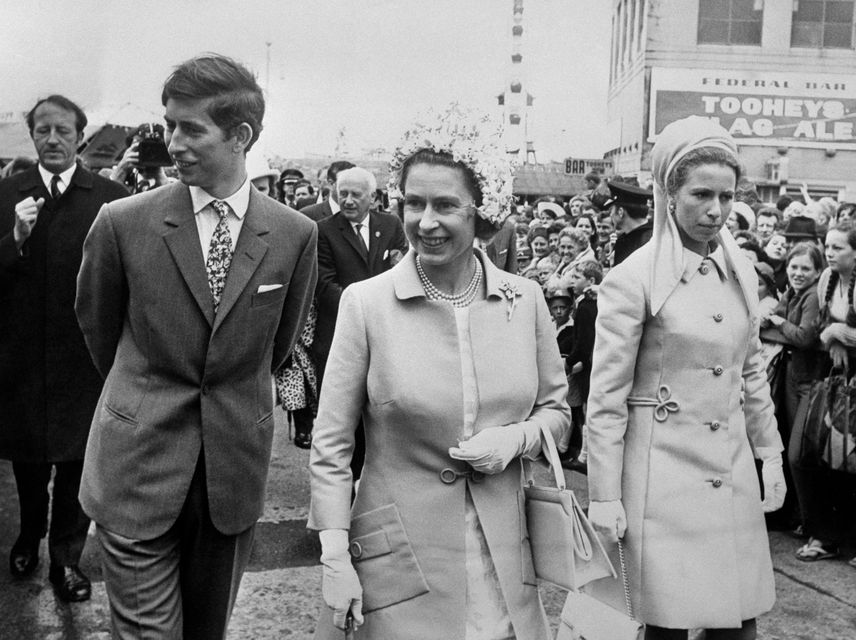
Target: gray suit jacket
x=177 y=375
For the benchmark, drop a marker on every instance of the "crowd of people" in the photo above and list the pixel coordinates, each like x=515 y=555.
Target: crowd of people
x=426 y=339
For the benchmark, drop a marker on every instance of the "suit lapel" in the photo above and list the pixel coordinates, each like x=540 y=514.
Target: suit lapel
x=246 y=258
x=351 y=237
x=377 y=236
x=182 y=240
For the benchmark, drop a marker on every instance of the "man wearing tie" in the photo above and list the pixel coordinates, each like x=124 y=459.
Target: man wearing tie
x=353 y=245
x=189 y=296
x=48 y=386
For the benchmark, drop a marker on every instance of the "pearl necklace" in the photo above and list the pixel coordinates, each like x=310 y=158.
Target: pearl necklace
x=462 y=299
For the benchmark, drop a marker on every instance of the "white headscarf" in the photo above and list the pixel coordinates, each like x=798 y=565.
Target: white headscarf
x=675 y=141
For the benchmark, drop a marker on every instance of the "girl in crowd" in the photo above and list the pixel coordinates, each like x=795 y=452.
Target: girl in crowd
x=776 y=250
x=680 y=406
x=573 y=245
x=827 y=498
x=587 y=224
x=454 y=367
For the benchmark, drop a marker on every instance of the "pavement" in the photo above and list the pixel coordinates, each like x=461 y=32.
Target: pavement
x=281 y=590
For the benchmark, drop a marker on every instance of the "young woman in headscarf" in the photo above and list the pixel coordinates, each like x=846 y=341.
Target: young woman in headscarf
x=680 y=406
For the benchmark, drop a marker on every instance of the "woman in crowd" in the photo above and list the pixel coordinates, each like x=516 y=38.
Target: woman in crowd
x=573 y=244
x=843 y=213
x=587 y=224
x=576 y=205
x=454 y=367
x=794 y=324
x=776 y=250
x=827 y=498
x=679 y=402
x=539 y=244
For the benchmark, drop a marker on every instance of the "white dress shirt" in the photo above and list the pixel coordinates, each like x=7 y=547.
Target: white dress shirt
x=207 y=218
x=64 y=177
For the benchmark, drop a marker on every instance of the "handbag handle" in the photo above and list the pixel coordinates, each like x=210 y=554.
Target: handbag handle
x=552 y=455
x=627 y=602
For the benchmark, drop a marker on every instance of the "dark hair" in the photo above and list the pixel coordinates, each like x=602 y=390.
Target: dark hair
x=754 y=247
x=594 y=177
x=555 y=227
x=769 y=212
x=696 y=158
x=848 y=207
x=305 y=183
x=484 y=229
x=849 y=229
x=144 y=129
x=591 y=270
x=336 y=168
x=806 y=249
x=236 y=97
x=62 y=102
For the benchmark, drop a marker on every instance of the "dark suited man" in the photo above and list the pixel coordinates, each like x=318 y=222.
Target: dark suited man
x=502 y=247
x=353 y=245
x=330 y=206
x=189 y=296
x=48 y=385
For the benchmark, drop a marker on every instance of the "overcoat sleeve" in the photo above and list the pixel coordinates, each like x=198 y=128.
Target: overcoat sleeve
x=102 y=292
x=295 y=309
x=342 y=399
x=622 y=312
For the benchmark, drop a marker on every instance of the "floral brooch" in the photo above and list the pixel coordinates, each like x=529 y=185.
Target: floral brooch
x=511 y=293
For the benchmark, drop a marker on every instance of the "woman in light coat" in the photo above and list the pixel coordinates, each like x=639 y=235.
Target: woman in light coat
x=454 y=367
x=680 y=407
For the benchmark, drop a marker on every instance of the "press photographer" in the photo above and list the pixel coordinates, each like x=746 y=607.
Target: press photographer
x=142 y=163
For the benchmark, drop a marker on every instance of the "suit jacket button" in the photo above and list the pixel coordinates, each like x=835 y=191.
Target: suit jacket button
x=717 y=483
x=717 y=370
x=714 y=426
x=718 y=317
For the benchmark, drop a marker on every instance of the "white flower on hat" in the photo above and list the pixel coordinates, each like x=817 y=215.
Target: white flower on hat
x=470 y=138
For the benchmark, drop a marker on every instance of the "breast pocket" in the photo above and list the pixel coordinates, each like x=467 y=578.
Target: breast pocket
x=384 y=559
x=269 y=297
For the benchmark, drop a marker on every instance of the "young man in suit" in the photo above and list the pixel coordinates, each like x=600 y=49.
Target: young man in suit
x=48 y=386
x=353 y=245
x=189 y=296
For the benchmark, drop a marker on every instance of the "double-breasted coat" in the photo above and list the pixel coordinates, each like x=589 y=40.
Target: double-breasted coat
x=679 y=401
x=397 y=360
x=48 y=384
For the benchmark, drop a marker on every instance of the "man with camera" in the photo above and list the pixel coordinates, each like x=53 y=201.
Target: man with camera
x=142 y=163
x=48 y=385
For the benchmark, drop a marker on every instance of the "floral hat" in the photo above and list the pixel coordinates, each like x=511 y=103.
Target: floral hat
x=472 y=139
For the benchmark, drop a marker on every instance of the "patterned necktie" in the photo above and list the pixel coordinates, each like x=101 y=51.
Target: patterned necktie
x=55 y=192
x=364 y=250
x=219 y=253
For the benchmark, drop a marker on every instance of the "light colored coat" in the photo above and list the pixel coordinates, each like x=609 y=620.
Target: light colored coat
x=396 y=360
x=697 y=547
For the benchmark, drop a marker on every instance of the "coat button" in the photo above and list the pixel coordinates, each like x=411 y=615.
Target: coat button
x=717 y=371
x=714 y=426
x=205 y=389
x=718 y=317
x=704 y=269
x=717 y=483
x=356 y=549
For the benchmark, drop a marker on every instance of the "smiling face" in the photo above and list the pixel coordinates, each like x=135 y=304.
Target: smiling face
x=540 y=246
x=584 y=224
x=840 y=256
x=55 y=137
x=439 y=215
x=801 y=272
x=703 y=203
x=204 y=154
x=604 y=229
x=355 y=197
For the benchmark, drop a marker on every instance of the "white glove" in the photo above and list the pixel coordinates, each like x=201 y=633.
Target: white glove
x=773 y=476
x=608 y=519
x=491 y=449
x=340 y=584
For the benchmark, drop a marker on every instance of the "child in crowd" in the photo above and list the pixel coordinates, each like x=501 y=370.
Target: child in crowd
x=582 y=281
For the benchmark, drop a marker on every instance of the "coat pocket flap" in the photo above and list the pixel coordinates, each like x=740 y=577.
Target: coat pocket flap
x=369 y=546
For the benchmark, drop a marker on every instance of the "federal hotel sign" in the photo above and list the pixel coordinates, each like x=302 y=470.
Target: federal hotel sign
x=789 y=109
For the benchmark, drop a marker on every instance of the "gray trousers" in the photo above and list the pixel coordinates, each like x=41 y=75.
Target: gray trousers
x=181 y=585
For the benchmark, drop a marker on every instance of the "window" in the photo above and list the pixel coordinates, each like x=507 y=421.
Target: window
x=729 y=22
x=822 y=23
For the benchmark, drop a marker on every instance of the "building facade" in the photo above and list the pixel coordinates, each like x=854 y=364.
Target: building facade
x=780 y=75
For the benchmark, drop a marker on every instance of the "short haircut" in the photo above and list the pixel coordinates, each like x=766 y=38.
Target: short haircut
x=594 y=177
x=769 y=212
x=337 y=166
x=62 y=102
x=235 y=95
x=555 y=228
x=590 y=270
x=755 y=248
x=358 y=173
x=806 y=249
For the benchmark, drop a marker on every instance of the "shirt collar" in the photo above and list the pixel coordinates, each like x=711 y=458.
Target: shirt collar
x=693 y=262
x=334 y=206
x=238 y=201
x=364 y=222
x=65 y=176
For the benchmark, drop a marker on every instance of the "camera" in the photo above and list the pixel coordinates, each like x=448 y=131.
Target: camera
x=152 y=148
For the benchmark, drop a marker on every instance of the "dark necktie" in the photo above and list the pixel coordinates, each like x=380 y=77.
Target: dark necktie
x=55 y=192
x=219 y=253
x=364 y=250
